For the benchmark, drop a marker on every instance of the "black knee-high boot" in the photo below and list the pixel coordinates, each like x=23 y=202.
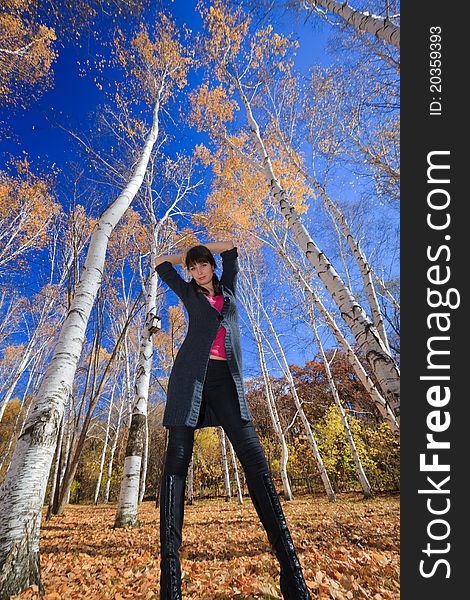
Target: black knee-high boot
x=171 y=524
x=266 y=502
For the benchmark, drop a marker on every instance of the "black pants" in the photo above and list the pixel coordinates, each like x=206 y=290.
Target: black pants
x=220 y=394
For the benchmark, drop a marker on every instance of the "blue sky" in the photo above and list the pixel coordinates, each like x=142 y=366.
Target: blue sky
x=74 y=98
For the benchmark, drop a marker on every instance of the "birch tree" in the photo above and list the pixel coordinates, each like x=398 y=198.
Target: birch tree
x=223 y=451
x=27 y=213
x=243 y=63
x=366 y=488
x=383 y=26
x=131 y=488
x=23 y=489
x=255 y=293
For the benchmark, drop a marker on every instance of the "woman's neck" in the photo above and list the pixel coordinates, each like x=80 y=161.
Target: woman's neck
x=210 y=288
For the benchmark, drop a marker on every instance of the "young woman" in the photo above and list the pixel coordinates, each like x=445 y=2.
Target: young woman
x=205 y=389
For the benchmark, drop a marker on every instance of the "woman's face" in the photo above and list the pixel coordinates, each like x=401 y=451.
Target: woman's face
x=202 y=272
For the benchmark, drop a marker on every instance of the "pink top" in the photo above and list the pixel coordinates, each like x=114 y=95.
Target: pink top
x=218 y=347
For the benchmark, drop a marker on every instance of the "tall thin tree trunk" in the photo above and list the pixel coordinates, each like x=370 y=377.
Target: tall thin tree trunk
x=23 y=489
x=113 y=449
x=366 y=335
x=55 y=475
x=366 y=488
x=274 y=417
x=96 y=392
x=128 y=503
x=237 y=476
x=145 y=458
x=253 y=295
x=20 y=417
x=105 y=445
x=223 y=449
x=351 y=355
x=357 y=252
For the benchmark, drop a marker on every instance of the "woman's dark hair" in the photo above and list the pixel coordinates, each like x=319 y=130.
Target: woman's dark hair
x=202 y=254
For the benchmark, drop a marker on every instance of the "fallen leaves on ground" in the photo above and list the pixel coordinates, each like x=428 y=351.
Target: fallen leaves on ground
x=348 y=549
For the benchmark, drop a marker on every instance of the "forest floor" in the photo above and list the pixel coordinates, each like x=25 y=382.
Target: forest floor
x=348 y=549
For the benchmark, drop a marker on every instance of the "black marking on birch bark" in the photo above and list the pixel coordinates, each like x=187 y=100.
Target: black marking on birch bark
x=21 y=566
x=47 y=419
x=135 y=441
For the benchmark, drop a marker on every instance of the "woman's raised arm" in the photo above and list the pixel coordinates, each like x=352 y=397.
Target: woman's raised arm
x=174 y=259
x=219 y=246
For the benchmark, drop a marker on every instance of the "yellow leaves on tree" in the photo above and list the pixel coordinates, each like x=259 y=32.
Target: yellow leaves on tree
x=229 y=44
x=12 y=354
x=128 y=240
x=241 y=202
x=155 y=61
x=211 y=108
x=26 y=52
x=226 y=28
x=27 y=210
x=103 y=357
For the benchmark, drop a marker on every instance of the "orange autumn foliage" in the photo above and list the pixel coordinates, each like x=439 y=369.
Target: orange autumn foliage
x=349 y=550
x=26 y=52
x=27 y=210
x=241 y=199
x=154 y=59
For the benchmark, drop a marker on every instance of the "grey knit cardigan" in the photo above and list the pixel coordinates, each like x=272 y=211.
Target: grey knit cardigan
x=186 y=382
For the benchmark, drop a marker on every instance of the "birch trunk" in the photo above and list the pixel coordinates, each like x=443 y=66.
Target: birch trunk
x=366 y=335
x=17 y=427
x=223 y=448
x=275 y=421
x=145 y=457
x=383 y=29
x=237 y=476
x=113 y=450
x=105 y=445
x=56 y=473
x=366 y=488
x=128 y=503
x=357 y=252
x=300 y=411
x=32 y=343
x=23 y=489
x=356 y=364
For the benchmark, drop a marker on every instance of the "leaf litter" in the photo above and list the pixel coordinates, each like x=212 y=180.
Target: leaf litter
x=348 y=550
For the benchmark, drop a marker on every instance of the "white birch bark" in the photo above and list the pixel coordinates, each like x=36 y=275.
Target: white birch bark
x=275 y=420
x=381 y=28
x=366 y=488
x=367 y=337
x=127 y=509
x=298 y=403
x=361 y=259
x=223 y=449
x=236 y=473
x=105 y=444
x=56 y=472
x=352 y=357
x=145 y=458
x=95 y=395
x=113 y=449
x=23 y=489
x=32 y=347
